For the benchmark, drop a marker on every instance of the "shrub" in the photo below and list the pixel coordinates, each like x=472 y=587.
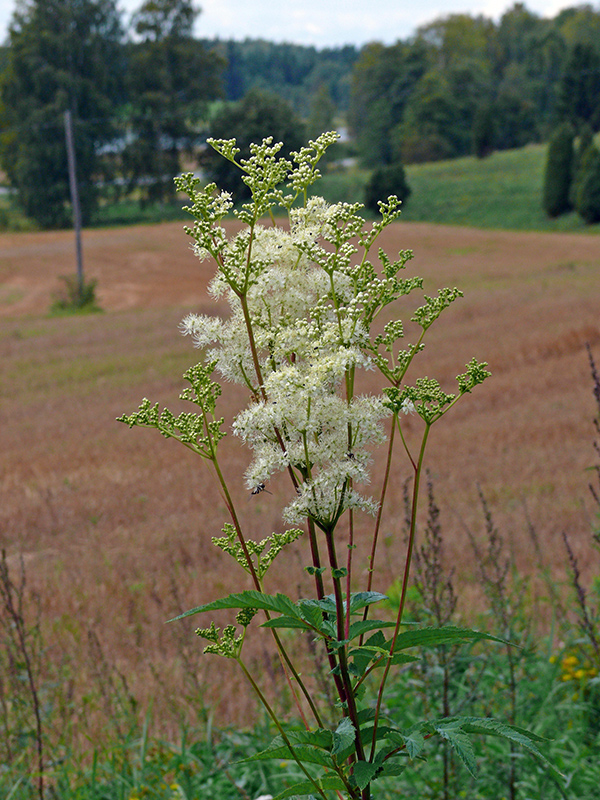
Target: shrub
x=559 y=171
x=384 y=182
x=73 y=297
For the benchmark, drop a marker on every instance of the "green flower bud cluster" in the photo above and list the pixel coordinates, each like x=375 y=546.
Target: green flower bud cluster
x=201 y=432
x=428 y=399
x=275 y=543
x=426 y=315
x=226 y=644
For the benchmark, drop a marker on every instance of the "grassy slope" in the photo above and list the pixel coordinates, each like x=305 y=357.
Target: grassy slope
x=502 y=191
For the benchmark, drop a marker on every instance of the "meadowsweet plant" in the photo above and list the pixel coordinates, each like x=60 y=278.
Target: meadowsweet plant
x=304 y=297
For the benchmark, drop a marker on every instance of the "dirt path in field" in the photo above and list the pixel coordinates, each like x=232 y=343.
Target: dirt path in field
x=154 y=266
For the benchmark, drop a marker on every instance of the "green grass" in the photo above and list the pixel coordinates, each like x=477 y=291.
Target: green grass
x=204 y=764
x=502 y=191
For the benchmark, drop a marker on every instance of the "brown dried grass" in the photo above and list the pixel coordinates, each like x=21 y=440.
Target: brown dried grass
x=115 y=525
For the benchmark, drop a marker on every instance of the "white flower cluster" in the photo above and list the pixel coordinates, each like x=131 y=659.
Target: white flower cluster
x=294 y=338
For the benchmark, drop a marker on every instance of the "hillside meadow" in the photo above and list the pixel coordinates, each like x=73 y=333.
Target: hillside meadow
x=502 y=192
x=114 y=525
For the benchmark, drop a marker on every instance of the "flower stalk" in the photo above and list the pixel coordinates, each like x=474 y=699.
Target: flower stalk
x=303 y=298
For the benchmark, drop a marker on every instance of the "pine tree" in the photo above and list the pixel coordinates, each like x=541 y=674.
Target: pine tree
x=559 y=171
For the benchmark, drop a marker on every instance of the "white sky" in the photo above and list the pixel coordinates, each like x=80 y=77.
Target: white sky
x=327 y=23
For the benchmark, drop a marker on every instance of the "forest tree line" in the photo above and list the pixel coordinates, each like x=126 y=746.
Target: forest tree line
x=145 y=92
x=464 y=84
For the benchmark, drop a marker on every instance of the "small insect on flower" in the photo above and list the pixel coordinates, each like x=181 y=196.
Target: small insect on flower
x=260 y=487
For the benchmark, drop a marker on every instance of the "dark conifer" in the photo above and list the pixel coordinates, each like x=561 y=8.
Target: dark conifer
x=588 y=194
x=384 y=182
x=559 y=171
x=585 y=139
x=483 y=131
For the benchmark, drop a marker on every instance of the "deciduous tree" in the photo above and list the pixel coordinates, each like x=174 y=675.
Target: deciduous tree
x=258 y=115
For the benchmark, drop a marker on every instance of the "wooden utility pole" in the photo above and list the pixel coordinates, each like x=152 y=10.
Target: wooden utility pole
x=74 y=199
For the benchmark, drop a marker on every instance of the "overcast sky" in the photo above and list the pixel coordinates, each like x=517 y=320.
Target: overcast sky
x=326 y=23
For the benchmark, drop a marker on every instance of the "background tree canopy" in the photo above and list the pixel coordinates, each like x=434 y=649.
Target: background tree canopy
x=258 y=115
x=144 y=94
x=169 y=77
x=418 y=100
x=61 y=56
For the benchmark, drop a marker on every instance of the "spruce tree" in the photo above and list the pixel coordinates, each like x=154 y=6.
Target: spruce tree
x=482 y=132
x=588 y=193
x=384 y=182
x=586 y=139
x=61 y=56
x=559 y=171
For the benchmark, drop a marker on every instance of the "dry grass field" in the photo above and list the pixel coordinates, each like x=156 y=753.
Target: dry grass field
x=114 y=525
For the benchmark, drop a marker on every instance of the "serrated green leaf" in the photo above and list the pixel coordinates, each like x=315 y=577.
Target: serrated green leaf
x=433 y=637
x=286 y=622
x=248 y=599
x=494 y=727
x=308 y=745
x=363 y=773
x=313 y=615
x=453 y=733
x=304 y=753
x=359 y=600
x=391 y=768
x=376 y=652
x=526 y=739
x=367 y=625
x=343 y=736
x=413 y=742
x=365 y=715
x=308 y=787
x=327 y=604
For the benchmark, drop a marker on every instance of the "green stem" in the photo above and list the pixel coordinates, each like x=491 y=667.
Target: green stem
x=279 y=727
x=258 y=586
x=236 y=524
x=349 y=700
x=384 y=486
x=409 y=552
x=246 y=312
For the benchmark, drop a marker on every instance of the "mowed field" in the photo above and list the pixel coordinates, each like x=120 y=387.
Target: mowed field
x=114 y=525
